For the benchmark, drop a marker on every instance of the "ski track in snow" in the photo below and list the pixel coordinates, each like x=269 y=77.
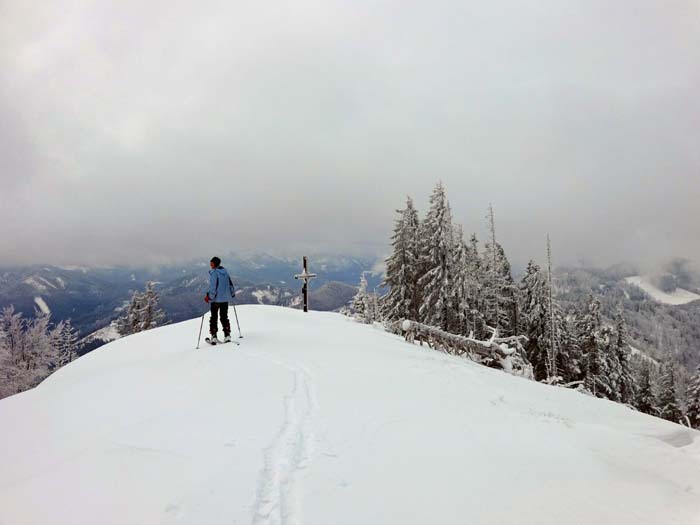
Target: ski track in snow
x=278 y=500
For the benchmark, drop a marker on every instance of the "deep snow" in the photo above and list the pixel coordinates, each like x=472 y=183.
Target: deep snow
x=317 y=419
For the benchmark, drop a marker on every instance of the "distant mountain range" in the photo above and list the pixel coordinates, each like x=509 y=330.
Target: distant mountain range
x=662 y=310
x=93 y=297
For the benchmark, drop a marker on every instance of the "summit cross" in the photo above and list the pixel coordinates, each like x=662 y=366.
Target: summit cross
x=306 y=277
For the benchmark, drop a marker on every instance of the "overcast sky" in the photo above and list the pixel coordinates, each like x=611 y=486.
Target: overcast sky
x=139 y=132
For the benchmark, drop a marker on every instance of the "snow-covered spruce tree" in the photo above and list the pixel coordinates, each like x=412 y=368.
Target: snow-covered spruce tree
x=143 y=312
x=459 y=293
x=602 y=368
x=359 y=301
x=436 y=252
x=374 y=308
x=609 y=367
x=549 y=348
x=692 y=399
x=64 y=339
x=625 y=380
x=402 y=268
x=130 y=321
x=645 y=400
x=364 y=306
x=476 y=322
x=591 y=339
x=535 y=317
x=498 y=286
x=151 y=314
x=568 y=356
x=553 y=331
x=668 y=398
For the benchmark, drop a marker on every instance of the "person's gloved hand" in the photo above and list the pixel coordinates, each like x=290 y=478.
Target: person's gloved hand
x=206 y=298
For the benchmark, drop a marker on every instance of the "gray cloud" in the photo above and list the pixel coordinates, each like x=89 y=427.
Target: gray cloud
x=143 y=133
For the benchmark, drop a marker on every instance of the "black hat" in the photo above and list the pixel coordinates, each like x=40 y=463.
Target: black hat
x=216 y=261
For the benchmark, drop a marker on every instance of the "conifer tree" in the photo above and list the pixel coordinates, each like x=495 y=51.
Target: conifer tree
x=590 y=341
x=364 y=304
x=476 y=322
x=607 y=365
x=668 y=398
x=692 y=398
x=624 y=381
x=65 y=341
x=498 y=286
x=459 y=298
x=645 y=400
x=535 y=317
x=402 y=268
x=129 y=322
x=150 y=314
x=553 y=334
x=143 y=312
x=568 y=356
x=437 y=279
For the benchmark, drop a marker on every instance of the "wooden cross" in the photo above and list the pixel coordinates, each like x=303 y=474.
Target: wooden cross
x=306 y=277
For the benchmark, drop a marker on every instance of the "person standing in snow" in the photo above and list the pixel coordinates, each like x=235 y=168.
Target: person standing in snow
x=221 y=292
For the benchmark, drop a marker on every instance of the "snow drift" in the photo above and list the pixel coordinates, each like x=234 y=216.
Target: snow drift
x=317 y=419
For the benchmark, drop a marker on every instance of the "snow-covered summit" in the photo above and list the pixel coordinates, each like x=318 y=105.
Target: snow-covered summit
x=317 y=419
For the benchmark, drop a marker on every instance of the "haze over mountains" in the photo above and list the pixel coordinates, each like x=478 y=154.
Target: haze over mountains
x=93 y=297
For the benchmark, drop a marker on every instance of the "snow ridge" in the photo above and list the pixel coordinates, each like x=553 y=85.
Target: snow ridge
x=278 y=500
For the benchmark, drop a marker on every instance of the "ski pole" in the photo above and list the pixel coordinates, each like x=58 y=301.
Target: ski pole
x=240 y=336
x=200 y=330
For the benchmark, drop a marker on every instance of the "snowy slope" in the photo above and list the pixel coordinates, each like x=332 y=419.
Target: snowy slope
x=317 y=419
x=107 y=333
x=39 y=301
x=677 y=297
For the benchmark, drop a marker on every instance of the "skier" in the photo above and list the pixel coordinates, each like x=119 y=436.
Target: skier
x=221 y=291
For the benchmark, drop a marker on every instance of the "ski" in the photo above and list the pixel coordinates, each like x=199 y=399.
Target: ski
x=209 y=341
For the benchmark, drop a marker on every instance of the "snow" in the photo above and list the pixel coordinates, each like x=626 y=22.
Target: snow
x=637 y=351
x=318 y=419
x=677 y=297
x=46 y=282
x=39 y=301
x=108 y=333
x=263 y=295
x=73 y=268
x=41 y=284
x=34 y=283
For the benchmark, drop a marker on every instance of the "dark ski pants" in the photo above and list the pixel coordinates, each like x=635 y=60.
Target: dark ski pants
x=219 y=309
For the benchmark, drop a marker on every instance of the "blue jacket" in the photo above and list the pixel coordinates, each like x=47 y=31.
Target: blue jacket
x=220 y=286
